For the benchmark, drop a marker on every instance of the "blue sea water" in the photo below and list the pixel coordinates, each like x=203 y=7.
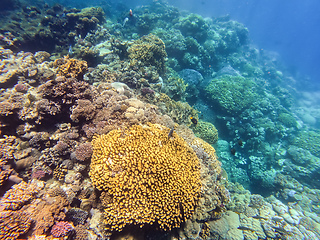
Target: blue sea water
x=290 y=28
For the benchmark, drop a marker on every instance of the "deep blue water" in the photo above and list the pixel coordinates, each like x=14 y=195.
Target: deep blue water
x=291 y=28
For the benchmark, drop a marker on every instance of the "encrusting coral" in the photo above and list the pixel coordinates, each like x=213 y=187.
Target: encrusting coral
x=148 y=175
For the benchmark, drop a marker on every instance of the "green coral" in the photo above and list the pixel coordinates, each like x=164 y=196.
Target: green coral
x=194 y=25
x=309 y=140
x=175 y=86
x=206 y=131
x=287 y=119
x=179 y=111
x=232 y=93
x=148 y=51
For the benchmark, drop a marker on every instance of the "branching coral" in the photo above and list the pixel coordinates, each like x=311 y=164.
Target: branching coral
x=61 y=229
x=146 y=177
x=7 y=146
x=148 y=51
x=19 y=194
x=71 y=68
x=13 y=224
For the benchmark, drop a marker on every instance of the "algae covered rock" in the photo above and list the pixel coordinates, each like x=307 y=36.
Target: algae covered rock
x=232 y=93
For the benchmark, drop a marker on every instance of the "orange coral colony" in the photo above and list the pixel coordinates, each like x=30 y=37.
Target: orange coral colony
x=146 y=177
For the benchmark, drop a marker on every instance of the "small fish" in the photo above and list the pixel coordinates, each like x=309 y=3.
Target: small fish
x=240 y=142
x=193 y=120
x=281 y=230
x=242 y=228
x=277 y=218
x=130 y=13
x=253 y=206
x=171 y=132
x=233 y=151
x=70 y=52
x=259 y=217
x=125 y=21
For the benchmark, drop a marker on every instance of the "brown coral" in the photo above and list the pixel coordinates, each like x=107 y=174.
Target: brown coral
x=146 y=177
x=180 y=112
x=65 y=90
x=71 y=68
x=83 y=152
x=148 y=51
x=19 y=194
x=13 y=224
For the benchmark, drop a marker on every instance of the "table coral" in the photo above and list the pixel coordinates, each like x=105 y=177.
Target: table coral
x=146 y=177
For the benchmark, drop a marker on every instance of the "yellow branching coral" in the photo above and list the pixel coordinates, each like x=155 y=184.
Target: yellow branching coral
x=146 y=175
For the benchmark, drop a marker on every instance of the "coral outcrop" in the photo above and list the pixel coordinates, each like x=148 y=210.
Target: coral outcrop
x=148 y=51
x=232 y=93
x=13 y=224
x=147 y=175
x=206 y=131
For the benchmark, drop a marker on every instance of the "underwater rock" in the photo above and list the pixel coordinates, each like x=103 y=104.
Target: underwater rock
x=191 y=76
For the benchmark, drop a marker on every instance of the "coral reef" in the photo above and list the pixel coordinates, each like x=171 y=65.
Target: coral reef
x=107 y=83
x=232 y=93
x=61 y=229
x=148 y=51
x=141 y=177
x=13 y=224
x=206 y=131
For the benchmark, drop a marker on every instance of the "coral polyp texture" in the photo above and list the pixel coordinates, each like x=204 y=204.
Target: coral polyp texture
x=147 y=177
x=70 y=67
x=13 y=224
x=61 y=229
x=148 y=51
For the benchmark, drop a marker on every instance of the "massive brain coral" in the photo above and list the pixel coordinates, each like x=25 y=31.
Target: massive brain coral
x=146 y=176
